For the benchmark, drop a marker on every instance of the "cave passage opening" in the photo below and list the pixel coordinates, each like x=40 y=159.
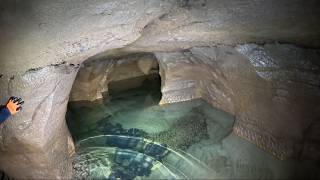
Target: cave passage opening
x=109 y=88
x=121 y=131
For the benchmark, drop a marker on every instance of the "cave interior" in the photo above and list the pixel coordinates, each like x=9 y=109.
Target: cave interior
x=161 y=89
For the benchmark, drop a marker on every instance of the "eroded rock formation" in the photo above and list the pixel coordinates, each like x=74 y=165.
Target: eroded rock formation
x=273 y=90
x=43 y=41
x=97 y=77
x=35 y=142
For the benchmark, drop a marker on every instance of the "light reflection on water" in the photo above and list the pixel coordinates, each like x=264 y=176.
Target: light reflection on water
x=131 y=137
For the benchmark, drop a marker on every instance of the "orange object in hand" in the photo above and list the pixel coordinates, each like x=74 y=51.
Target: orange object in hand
x=14 y=105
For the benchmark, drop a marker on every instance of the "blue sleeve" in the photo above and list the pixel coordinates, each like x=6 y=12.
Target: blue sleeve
x=4 y=114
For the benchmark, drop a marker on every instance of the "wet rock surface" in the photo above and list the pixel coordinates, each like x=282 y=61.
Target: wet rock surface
x=273 y=90
x=294 y=80
x=188 y=130
x=136 y=140
x=143 y=140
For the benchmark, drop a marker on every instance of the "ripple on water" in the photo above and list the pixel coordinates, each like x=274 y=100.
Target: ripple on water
x=125 y=157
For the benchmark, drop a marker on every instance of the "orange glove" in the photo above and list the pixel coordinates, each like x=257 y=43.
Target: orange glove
x=14 y=105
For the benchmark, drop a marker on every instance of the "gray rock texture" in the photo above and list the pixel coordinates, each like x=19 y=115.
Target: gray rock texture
x=37 y=36
x=42 y=32
x=214 y=22
x=96 y=77
x=36 y=142
x=289 y=107
x=184 y=77
x=91 y=81
x=38 y=33
x=273 y=90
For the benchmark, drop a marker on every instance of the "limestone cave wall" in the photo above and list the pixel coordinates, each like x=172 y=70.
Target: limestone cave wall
x=272 y=90
x=203 y=51
x=95 y=78
x=268 y=88
x=35 y=142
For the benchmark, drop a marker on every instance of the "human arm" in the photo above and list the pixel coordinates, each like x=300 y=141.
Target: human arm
x=4 y=114
x=13 y=106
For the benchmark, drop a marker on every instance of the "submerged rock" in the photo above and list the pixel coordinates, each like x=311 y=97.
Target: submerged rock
x=272 y=90
x=38 y=36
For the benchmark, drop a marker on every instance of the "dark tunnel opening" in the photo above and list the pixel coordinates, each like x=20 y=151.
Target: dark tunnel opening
x=126 y=83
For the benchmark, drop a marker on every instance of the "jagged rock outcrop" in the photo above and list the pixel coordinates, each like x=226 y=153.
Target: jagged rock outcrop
x=273 y=90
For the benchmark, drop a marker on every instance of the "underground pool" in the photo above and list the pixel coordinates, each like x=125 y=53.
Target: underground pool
x=127 y=135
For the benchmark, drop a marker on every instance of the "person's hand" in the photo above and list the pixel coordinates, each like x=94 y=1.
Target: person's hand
x=14 y=105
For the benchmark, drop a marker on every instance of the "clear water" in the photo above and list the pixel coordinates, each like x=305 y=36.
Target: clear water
x=129 y=136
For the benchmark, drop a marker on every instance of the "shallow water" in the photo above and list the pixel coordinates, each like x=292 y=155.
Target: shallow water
x=129 y=136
